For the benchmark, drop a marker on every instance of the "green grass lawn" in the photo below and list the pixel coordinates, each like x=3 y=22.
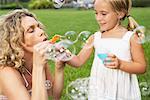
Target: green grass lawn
x=63 y=20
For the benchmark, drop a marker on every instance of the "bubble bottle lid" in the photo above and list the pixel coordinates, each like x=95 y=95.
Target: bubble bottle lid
x=55 y=39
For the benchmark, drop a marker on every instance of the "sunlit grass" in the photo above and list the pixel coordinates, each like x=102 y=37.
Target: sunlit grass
x=63 y=20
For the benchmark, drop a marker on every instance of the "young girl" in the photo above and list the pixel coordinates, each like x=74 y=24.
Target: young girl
x=24 y=71
x=113 y=78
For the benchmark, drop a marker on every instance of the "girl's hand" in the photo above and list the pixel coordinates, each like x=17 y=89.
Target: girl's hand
x=38 y=53
x=112 y=62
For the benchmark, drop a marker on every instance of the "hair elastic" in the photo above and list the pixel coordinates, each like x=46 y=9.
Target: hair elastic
x=128 y=16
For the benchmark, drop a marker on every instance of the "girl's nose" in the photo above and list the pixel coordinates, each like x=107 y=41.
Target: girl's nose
x=98 y=17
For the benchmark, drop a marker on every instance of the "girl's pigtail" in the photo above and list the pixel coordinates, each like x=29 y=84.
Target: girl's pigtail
x=132 y=24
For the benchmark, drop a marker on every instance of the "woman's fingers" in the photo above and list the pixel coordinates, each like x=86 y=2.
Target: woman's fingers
x=41 y=47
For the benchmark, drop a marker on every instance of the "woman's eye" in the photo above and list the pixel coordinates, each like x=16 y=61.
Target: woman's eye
x=40 y=26
x=31 y=30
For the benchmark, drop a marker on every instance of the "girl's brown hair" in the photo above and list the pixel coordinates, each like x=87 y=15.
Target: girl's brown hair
x=125 y=7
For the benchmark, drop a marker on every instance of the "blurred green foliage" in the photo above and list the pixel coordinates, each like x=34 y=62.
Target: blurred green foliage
x=40 y=4
x=46 y=4
x=141 y=3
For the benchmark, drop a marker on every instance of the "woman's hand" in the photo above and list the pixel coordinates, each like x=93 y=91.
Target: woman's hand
x=39 y=50
x=112 y=62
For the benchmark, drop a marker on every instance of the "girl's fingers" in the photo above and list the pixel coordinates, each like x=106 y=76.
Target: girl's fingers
x=111 y=55
x=111 y=61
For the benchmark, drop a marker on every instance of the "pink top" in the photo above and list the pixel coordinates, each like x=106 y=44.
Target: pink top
x=2 y=97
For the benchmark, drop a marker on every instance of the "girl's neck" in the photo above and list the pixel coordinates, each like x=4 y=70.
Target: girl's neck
x=115 y=28
x=117 y=32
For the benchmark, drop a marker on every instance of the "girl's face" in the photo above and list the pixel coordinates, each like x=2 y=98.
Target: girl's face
x=33 y=33
x=105 y=16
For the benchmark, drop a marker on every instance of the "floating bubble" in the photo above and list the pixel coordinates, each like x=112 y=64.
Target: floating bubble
x=83 y=38
x=145 y=88
x=66 y=51
x=147 y=38
x=78 y=89
x=140 y=30
x=72 y=36
x=63 y=48
x=84 y=35
x=50 y=52
x=58 y=3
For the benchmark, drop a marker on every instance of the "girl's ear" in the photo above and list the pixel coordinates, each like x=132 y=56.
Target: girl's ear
x=121 y=14
x=26 y=47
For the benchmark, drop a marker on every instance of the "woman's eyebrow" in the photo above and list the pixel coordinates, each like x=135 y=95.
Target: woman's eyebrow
x=31 y=26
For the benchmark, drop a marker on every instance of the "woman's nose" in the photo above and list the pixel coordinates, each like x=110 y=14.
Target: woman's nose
x=41 y=32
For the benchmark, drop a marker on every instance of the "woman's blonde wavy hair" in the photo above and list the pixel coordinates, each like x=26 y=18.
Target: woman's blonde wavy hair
x=124 y=6
x=11 y=35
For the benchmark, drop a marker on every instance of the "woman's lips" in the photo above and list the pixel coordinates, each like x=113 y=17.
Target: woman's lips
x=45 y=39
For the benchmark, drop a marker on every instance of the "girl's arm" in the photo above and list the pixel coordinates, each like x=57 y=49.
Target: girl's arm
x=138 y=64
x=84 y=54
x=58 y=80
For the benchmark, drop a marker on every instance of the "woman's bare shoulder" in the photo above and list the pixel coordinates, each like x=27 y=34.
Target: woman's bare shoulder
x=8 y=71
x=11 y=82
x=9 y=74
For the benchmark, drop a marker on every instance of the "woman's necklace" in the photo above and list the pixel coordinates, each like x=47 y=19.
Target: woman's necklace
x=26 y=82
x=48 y=83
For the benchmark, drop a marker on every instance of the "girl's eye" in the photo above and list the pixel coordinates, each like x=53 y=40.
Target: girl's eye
x=95 y=12
x=103 y=14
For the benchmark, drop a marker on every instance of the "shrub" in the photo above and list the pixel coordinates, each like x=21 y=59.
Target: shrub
x=141 y=3
x=40 y=4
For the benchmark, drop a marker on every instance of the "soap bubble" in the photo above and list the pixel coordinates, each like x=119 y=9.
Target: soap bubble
x=140 y=30
x=78 y=89
x=145 y=88
x=62 y=47
x=83 y=38
x=67 y=50
x=58 y=3
x=63 y=50
x=72 y=36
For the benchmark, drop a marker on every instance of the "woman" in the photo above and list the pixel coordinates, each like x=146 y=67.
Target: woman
x=23 y=67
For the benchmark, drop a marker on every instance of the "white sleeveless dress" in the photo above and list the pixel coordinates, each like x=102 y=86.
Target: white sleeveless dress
x=112 y=84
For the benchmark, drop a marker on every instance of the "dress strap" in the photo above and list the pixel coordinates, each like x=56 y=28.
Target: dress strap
x=128 y=36
x=97 y=37
x=97 y=34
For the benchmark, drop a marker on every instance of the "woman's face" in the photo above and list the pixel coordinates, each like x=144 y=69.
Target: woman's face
x=33 y=33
